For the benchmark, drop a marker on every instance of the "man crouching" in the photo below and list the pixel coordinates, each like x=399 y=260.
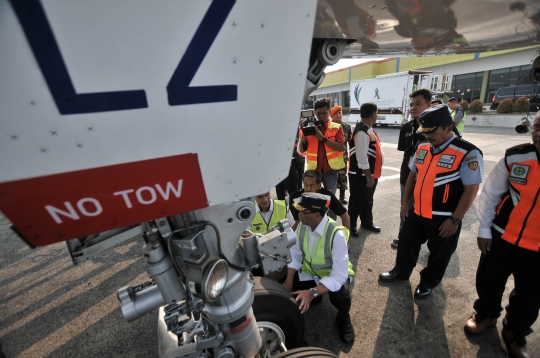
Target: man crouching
x=320 y=262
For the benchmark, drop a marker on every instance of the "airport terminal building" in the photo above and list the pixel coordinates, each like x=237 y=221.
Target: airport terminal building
x=469 y=76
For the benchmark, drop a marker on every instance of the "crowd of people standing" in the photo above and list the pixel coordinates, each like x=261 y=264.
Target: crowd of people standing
x=440 y=178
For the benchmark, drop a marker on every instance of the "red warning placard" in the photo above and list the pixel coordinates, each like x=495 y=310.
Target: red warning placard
x=60 y=207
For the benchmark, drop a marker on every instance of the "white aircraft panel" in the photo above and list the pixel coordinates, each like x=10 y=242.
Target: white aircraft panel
x=240 y=146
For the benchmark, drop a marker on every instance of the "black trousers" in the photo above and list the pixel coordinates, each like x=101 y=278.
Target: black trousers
x=415 y=231
x=340 y=299
x=503 y=260
x=360 y=200
x=290 y=184
x=342 y=179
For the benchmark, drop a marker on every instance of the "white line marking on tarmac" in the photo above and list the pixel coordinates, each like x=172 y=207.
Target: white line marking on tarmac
x=389 y=177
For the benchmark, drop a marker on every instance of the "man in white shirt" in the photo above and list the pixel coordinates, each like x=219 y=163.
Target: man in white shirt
x=269 y=212
x=365 y=165
x=508 y=236
x=320 y=262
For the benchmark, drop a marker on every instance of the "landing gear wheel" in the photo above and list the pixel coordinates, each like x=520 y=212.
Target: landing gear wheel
x=278 y=317
x=307 y=352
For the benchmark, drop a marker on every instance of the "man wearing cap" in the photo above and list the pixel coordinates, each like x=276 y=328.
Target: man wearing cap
x=367 y=158
x=269 y=213
x=445 y=176
x=337 y=116
x=458 y=115
x=324 y=150
x=508 y=236
x=320 y=262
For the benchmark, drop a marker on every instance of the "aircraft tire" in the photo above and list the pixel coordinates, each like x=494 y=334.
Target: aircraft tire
x=307 y=352
x=276 y=310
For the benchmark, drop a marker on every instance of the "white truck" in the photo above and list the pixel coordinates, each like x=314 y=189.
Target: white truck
x=391 y=93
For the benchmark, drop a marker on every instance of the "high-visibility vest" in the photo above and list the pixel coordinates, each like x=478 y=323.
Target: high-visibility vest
x=438 y=185
x=374 y=153
x=461 y=124
x=320 y=264
x=518 y=216
x=279 y=213
x=334 y=157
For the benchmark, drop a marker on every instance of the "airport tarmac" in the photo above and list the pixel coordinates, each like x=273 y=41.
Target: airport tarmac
x=51 y=308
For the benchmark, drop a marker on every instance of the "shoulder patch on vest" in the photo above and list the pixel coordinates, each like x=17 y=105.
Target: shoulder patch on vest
x=421 y=155
x=519 y=174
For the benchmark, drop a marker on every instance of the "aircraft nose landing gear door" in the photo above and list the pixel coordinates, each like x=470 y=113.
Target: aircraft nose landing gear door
x=117 y=113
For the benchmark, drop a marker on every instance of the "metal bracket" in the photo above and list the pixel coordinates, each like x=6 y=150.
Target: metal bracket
x=82 y=248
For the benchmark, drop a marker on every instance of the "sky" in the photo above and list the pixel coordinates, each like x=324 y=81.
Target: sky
x=348 y=63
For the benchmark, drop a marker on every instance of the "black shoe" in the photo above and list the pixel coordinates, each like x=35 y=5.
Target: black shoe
x=422 y=291
x=515 y=345
x=391 y=275
x=395 y=243
x=345 y=328
x=354 y=233
x=372 y=228
x=342 y=196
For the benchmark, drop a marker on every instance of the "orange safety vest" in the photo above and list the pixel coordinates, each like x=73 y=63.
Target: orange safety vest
x=374 y=153
x=438 y=186
x=518 y=216
x=334 y=157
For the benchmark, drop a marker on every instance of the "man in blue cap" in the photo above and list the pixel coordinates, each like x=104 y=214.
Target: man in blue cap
x=445 y=176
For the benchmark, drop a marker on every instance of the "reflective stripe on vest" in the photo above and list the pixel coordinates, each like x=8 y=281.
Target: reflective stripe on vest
x=518 y=215
x=438 y=186
x=461 y=124
x=334 y=157
x=279 y=213
x=321 y=263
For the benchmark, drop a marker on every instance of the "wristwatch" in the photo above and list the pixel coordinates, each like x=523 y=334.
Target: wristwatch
x=313 y=292
x=455 y=221
x=324 y=140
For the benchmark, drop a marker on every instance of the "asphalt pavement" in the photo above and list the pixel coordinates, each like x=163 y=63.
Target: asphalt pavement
x=51 y=308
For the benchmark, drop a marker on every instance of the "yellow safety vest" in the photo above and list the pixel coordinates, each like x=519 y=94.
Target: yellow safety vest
x=279 y=213
x=321 y=263
x=461 y=124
